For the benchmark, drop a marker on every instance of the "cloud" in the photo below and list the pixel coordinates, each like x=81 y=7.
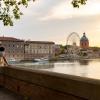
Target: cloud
x=64 y=10
x=38 y=8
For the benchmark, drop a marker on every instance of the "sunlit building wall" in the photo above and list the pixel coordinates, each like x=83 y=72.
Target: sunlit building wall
x=14 y=48
x=39 y=49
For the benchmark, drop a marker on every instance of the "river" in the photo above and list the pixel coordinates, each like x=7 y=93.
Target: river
x=83 y=68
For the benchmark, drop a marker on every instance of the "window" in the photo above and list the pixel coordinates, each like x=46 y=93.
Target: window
x=17 y=46
x=21 y=46
x=82 y=44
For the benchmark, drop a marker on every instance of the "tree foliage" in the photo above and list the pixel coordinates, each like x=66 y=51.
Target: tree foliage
x=77 y=3
x=95 y=49
x=10 y=9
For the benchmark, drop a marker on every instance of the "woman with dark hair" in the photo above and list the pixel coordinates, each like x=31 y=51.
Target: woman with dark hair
x=3 y=61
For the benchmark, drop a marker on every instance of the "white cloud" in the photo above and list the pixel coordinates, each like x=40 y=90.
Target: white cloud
x=65 y=10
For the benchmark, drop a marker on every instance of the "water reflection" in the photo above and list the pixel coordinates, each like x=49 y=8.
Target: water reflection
x=83 y=62
x=84 y=68
x=35 y=65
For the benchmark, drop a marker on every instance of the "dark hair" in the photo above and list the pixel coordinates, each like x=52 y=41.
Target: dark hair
x=2 y=49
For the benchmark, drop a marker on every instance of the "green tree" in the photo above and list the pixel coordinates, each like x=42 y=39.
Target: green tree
x=10 y=9
x=77 y=3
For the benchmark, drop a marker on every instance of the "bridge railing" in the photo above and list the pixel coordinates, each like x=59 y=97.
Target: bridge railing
x=44 y=85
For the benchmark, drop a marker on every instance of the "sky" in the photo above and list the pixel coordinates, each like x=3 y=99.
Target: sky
x=54 y=20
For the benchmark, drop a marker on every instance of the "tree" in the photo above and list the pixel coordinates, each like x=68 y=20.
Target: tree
x=77 y=3
x=10 y=9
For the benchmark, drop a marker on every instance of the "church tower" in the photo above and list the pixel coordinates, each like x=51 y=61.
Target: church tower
x=84 y=42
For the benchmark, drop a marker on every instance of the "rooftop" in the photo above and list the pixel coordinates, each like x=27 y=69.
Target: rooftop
x=84 y=38
x=3 y=38
x=41 y=42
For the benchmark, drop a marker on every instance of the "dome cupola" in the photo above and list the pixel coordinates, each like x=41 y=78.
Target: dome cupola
x=84 y=42
x=84 y=38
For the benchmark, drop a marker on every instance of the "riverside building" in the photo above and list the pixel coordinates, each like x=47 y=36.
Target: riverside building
x=84 y=42
x=26 y=50
x=14 y=48
x=39 y=49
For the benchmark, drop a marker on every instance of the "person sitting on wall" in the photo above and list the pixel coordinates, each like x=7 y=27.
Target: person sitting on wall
x=3 y=61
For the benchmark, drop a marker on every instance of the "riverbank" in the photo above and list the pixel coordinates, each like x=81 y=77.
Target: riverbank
x=57 y=58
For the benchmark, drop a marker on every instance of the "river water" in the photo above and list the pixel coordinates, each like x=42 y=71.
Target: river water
x=84 y=68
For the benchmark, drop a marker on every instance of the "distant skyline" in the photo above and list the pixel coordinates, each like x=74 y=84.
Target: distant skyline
x=54 y=20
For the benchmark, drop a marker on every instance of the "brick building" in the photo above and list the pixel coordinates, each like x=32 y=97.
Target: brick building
x=28 y=50
x=14 y=48
x=39 y=49
x=84 y=42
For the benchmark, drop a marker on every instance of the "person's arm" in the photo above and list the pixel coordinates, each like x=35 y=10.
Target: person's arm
x=5 y=61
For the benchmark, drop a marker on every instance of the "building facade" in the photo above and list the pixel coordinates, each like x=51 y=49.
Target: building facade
x=14 y=48
x=58 y=49
x=84 y=42
x=26 y=50
x=39 y=49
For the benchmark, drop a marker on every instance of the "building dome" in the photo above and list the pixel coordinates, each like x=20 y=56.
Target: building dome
x=84 y=38
x=84 y=42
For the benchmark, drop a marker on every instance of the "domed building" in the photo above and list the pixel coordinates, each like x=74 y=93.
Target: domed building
x=84 y=42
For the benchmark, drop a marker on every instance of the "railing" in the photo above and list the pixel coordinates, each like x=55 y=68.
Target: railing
x=43 y=85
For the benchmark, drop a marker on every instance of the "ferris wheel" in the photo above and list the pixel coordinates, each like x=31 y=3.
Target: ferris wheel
x=73 y=39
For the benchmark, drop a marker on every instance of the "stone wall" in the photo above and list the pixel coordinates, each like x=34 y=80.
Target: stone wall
x=43 y=85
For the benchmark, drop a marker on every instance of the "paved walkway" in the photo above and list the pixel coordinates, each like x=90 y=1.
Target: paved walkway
x=7 y=95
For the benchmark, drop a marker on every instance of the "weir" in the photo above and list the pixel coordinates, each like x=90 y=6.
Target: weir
x=44 y=85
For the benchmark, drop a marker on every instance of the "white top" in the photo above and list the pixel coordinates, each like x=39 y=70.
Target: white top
x=1 y=54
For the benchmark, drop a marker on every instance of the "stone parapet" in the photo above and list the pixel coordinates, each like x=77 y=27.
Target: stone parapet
x=44 y=85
